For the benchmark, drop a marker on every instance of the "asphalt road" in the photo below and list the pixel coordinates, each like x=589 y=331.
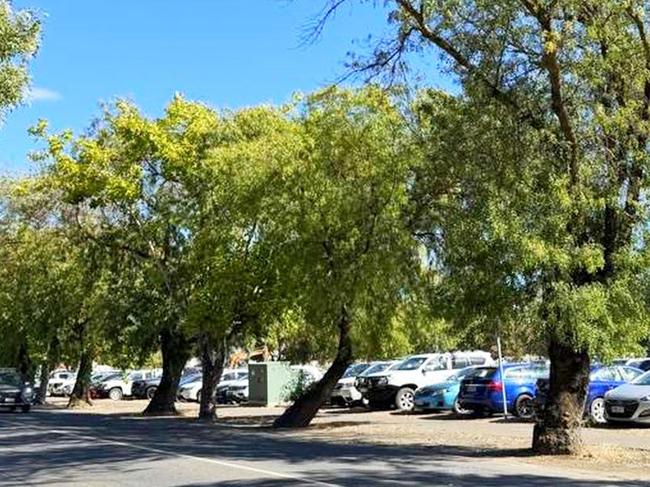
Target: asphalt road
x=59 y=448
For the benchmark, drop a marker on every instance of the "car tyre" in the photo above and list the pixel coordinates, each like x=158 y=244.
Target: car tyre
x=150 y=392
x=459 y=411
x=524 y=407
x=405 y=399
x=597 y=411
x=115 y=394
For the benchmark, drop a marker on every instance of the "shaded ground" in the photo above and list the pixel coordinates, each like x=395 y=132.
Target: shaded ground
x=620 y=453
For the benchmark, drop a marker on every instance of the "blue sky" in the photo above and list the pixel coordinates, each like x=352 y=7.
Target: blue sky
x=228 y=53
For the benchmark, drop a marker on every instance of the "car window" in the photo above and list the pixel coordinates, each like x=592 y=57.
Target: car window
x=477 y=360
x=230 y=376
x=642 y=380
x=412 y=363
x=10 y=378
x=436 y=363
x=481 y=373
x=606 y=374
x=376 y=368
x=460 y=362
x=354 y=370
x=628 y=373
x=517 y=373
x=135 y=376
x=242 y=375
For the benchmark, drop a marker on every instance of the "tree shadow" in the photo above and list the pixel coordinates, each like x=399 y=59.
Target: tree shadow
x=48 y=445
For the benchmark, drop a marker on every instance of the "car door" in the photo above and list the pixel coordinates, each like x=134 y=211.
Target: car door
x=601 y=381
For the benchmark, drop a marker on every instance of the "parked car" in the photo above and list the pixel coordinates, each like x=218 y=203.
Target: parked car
x=191 y=391
x=629 y=402
x=345 y=393
x=235 y=392
x=61 y=383
x=444 y=395
x=118 y=386
x=482 y=390
x=640 y=363
x=601 y=380
x=14 y=393
x=362 y=382
x=398 y=386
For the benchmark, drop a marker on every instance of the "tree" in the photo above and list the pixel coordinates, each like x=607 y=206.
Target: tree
x=129 y=171
x=340 y=217
x=534 y=191
x=19 y=38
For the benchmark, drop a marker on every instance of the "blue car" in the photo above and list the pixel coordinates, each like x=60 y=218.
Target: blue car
x=442 y=396
x=601 y=379
x=482 y=390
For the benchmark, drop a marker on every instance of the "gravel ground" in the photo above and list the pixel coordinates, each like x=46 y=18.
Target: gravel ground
x=620 y=451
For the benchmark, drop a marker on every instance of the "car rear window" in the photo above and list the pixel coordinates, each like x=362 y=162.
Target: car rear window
x=481 y=373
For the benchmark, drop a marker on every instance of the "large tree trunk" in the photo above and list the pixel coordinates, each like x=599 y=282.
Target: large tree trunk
x=557 y=431
x=175 y=353
x=24 y=363
x=213 y=359
x=301 y=412
x=80 y=396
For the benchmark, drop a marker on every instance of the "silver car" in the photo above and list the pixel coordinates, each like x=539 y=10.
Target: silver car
x=629 y=402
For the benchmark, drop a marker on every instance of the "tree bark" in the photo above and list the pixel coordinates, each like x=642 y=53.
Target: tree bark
x=175 y=353
x=213 y=359
x=557 y=431
x=303 y=410
x=80 y=396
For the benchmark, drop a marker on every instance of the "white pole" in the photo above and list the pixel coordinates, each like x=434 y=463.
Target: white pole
x=503 y=378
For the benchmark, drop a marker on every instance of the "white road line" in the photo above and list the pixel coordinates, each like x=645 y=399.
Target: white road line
x=179 y=455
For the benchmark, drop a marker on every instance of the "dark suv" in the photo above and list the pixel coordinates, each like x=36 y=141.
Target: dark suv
x=14 y=393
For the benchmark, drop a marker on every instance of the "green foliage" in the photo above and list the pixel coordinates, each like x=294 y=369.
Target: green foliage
x=19 y=40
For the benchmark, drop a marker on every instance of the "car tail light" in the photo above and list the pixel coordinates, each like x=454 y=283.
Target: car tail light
x=495 y=386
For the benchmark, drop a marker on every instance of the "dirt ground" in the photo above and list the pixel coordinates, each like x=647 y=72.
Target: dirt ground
x=622 y=452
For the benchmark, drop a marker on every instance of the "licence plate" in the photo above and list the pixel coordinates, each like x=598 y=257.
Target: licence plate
x=9 y=399
x=618 y=409
x=470 y=388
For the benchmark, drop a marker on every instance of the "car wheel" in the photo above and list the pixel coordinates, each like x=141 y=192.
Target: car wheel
x=597 y=411
x=25 y=408
x=524 y=407
x=458 y=410
x=115 y=394
x=198 y=396
x=150 y=392
x=405 y=399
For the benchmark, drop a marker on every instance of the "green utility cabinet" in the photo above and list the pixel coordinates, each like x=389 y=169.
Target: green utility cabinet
x=268 y=382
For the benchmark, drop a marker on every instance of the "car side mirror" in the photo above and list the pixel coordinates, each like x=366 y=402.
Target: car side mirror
x=424 y=371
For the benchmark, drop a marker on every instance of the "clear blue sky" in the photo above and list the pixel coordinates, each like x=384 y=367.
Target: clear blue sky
x=228 y=53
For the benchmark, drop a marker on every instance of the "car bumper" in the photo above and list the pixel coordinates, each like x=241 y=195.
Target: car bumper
x=481 y=404
x=627 y=411
x=381 y=394
x=430 y=402
x=347 y=395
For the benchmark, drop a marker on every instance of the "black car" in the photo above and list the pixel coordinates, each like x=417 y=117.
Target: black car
x=14 y=393
x=145 y=389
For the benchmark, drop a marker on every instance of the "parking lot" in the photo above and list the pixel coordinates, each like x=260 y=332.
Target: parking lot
x=612 y=454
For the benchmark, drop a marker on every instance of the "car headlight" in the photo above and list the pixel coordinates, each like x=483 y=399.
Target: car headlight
x=645 y=398
x=382 y=381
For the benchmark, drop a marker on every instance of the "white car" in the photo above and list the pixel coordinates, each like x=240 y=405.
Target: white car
x=629 y=402
x=345 y=391
x=61 y=383
x=117 y=386
x=398 y=386
x=191 y=391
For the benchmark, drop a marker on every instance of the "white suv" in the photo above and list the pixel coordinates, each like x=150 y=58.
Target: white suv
x=398 y=386
x=117 y=386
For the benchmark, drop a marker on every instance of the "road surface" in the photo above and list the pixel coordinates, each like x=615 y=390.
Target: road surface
x=60 y=448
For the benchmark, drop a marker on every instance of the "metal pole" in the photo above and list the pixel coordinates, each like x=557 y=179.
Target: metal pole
x=503 y=378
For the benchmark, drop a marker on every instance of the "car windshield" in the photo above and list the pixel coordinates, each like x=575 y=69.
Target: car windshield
x=110 y=377
x=376 y=368
x=9 y=378
x=412 y=363
x=354 y=370
x=642 y=380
